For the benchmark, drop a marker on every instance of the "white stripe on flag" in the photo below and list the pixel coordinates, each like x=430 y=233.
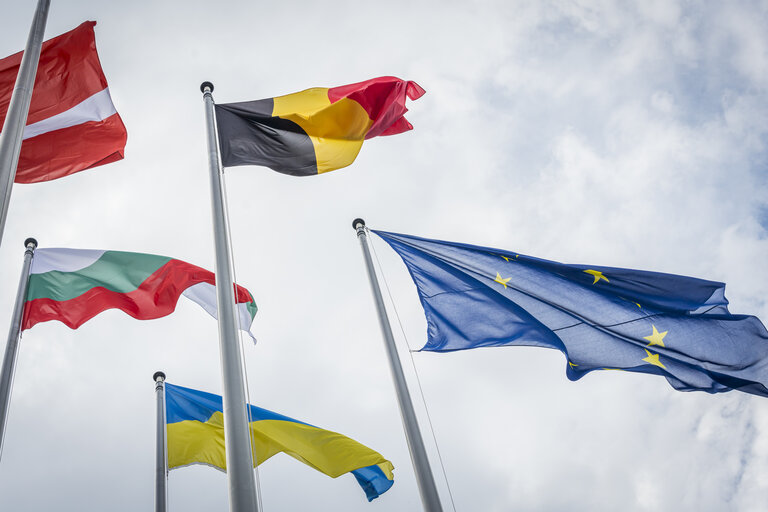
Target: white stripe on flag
x=204 y=294
x=96 y=108
x=63 y=260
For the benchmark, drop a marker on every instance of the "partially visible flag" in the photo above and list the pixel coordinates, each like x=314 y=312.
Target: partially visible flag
x=601 y=318
x=74 y=285
x=195 y=426
x=313 y=131
x=72 y=124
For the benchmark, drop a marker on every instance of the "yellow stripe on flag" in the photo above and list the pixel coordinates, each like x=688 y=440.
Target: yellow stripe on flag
x=192 y=441
x=337 y=130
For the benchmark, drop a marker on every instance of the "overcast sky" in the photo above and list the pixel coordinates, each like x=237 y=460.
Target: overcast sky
x=595 y=132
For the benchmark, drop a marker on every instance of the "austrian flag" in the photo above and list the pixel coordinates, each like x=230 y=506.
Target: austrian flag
x=72 y=124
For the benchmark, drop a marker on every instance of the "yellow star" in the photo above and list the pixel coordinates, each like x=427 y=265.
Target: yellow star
x=572 y=365
x=633 y=302
x=501 y=281
x=505 y=258
x=597 y=275
x=653 y=359
x=657 y=338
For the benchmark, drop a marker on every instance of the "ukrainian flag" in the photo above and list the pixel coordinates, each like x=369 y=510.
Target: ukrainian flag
x=195 y=427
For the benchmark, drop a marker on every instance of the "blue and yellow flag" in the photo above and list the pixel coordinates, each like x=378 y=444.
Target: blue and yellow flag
x=601 y=318
x=195 y=425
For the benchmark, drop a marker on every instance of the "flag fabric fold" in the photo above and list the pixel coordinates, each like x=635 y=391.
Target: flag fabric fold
x=195 y=435
x=316 y=130
x=72 y=123
x=74 y=285
x=601 y=318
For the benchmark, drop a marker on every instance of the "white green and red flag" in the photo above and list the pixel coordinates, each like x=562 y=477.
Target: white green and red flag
x=74 y=285
x=72 y=123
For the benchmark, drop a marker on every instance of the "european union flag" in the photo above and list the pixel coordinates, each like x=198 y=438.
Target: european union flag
x=601 y=318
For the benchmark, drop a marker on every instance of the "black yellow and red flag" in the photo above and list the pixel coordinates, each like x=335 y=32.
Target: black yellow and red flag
x=316 y=130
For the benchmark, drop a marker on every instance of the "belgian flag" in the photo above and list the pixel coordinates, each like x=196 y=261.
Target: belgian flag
x=316 y=130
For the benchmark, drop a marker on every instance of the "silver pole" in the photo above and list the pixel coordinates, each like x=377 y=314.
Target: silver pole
x=429 y=497
x=161 y=466
x=16 y=118
x=237 y=440
x=12 y=346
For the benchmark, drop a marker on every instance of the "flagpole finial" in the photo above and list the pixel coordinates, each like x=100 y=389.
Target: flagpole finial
x=158 y=375
x=30 y=241
x=357 y=221
x=206 y=85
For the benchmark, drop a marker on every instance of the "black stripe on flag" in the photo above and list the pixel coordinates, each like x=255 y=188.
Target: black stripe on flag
x=250 y=135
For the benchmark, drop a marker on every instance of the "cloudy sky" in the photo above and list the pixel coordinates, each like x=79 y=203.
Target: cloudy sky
x=600 y=132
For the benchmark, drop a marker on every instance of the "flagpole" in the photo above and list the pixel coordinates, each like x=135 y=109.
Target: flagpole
x=16 y=117
x=12 y=345
x=161 y=465
x=427 y=489
x=237 y=440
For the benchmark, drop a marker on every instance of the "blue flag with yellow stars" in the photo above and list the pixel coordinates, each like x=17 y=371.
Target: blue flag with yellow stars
x=601 y=318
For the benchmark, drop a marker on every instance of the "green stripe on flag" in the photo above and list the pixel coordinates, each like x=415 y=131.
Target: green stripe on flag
x=117 y=271
x=251 y=306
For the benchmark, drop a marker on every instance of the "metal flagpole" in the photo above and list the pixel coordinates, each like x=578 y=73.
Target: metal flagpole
x=427 y=489
x=16 y=117
x=161 y=465
x=12 y=346
x=237 y=440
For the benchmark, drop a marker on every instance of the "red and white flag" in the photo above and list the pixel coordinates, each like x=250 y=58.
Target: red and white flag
x=72 y=124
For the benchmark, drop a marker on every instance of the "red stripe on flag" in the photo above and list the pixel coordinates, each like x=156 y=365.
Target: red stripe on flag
x=68 y=72
x=156 y=297
x=62 y=152
x=383 y=98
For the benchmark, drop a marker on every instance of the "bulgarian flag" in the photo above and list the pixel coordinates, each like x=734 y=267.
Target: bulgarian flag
x=74 y=285
x=316 y=130
x=72 y=124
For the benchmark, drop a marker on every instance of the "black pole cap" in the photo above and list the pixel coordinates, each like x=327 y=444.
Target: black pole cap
x=158 y=374
x=32 y=241
x=356 y=222
x=204 y=85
